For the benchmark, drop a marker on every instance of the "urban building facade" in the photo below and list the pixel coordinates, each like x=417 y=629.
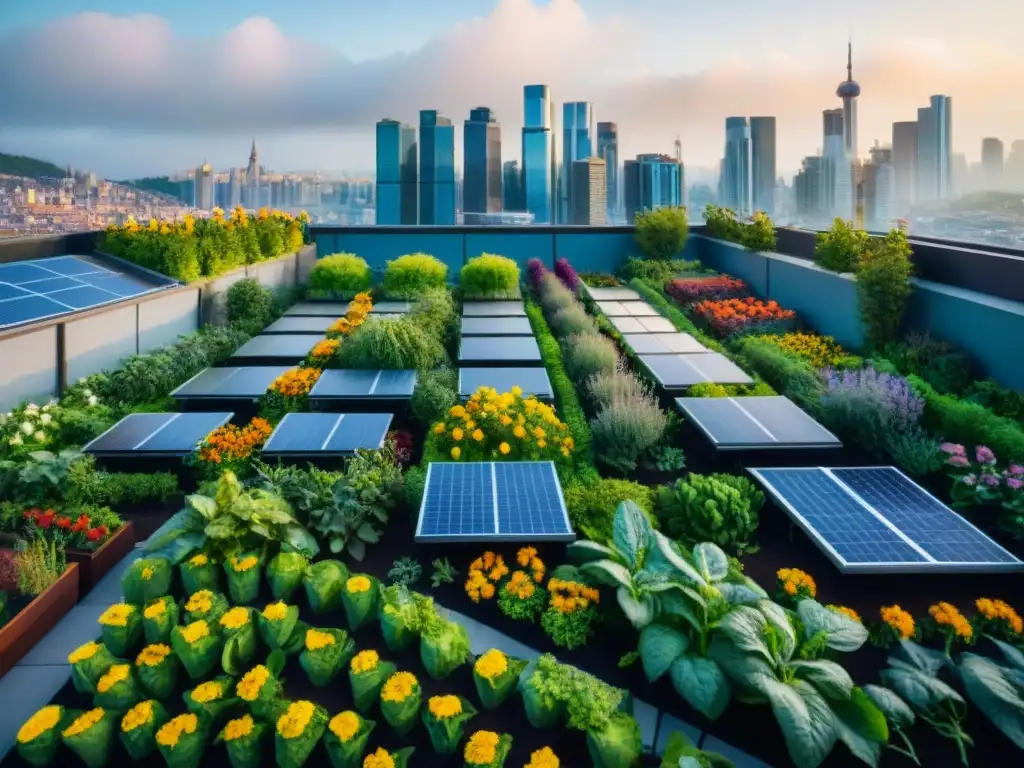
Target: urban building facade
x=204 y=187
x=736 y=192
x=992 y=156
x=838 y=190
x=879 y=187
x=589 y=204
x=397 y=192
x=577 y=144
x=763 y=164
x=608 y=150
x=650 y=182
x=512 y=186
x=539 y=158
x=934 y=150
x=808 y=191
x=252 y=179
x=437 y=169
x=904 y=165
x=482 y=172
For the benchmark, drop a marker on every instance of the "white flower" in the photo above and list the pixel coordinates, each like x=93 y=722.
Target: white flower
x=27 y=428
x=87 y=392
x=16 y=440
x=46 y=418
x=31 y=408
x=39 y=436
x=93 y=400
x=81 y=379
x=47 y=407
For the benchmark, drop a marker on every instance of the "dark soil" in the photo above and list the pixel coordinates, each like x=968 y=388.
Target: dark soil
x=150 y=515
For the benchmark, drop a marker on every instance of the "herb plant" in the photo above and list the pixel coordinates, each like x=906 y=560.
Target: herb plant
x=444 y=572
x=722 y=509
x=405 y=571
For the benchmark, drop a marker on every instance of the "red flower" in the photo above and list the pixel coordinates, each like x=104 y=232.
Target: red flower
x=103 y=531
x=45 y=520
x=81 y=524
x=32 y=514
x=94 y=534
x=63 y=522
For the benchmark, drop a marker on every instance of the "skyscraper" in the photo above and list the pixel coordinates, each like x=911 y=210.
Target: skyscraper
x=848 y=91
x=1014 y=170
x=992 y=162
x=650 y=182
x=577 y=144
x=204 y=187
x=807 y=187
x=736 y=171
x=589 y=184
x=879 y=187
x=397 y=190
x=762 y=162
x=934 y=150
x=608 y=150
x=234 y=188
x=838 y=193
x=539 y=170
x=252 y=179
x=512 y=183
x=481 y=191
x=904 y=165
x=437 y=169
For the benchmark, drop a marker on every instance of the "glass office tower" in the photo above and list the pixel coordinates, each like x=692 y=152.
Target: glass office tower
x=650 y=182
x=736 y=175
x=481 y=192
x=577 y=144
x=608 y=150
x=437 y=169
x=762 y=163
x=396 y=190
x=934 y=152
x=539 y=157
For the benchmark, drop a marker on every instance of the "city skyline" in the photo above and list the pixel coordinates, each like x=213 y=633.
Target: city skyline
x=272 y=84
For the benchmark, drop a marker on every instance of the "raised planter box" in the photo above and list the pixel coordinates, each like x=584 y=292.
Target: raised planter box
x=94 y=565
x=30 y=625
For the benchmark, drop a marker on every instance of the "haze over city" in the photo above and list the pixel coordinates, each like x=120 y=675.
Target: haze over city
x=145 y=88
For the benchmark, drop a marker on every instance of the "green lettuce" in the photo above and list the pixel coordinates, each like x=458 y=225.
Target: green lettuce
x=447 y=732
x=402 y=615
x=122 y=695
x=324 y=582
x=444 y=647
x=243 y=575
x=495 y=689
x=239 y=629
x=42 y=748
x=93 y=745
x=139 y=727
x=285 y=573
x=199 y=656
x=347 y=753
x=325 y=654
x=293 y=750
x=199 y=572
x=146 y=579
x=360 y=600
x=85 y=672
x=281 y=629
x=159 y=617
x=618 y=743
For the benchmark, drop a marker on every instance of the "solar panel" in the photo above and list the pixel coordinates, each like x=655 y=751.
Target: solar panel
x=747 y=423
x=493 y=501
x=493 y=309
x=643 y=325
x=240 y=383
x=15 y=311
x=496 y=326
x=331 y=309
x=121 y=285
x=533 y=381
x=663 y=343
x=627 y=309
x=324 y=434
x=494 y=349
x=681 y=371
x=23 y=272
x=283 y=347
x=8 y=291
x=877 y=520
x=298 y=324
x=53 y=284
x=336 y=384
x=73 y=267
x=389 y=308
x=162 y=434
x=613 y=294
x=84 y=297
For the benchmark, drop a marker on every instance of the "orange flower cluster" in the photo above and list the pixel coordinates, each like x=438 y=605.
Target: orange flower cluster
x=999 y=611
x=296 y=382
x=484 y=573
x=527 y=558
x=520 y=586
x=358 y=309
x=324 y=350
x=948 y=618
x=796 y=584
x=232 y=443
x=571 y=596
x=728 y=316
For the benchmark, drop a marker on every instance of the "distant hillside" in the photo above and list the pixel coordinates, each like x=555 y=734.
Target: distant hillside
x=159 y=184
x=29 y=167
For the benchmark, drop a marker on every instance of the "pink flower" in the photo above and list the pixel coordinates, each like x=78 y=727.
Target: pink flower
x=1016 y=470
x=990 y=480
x=1015 y=483
x=984 y=455
x=969 y=479
x=953 y=449
x=958 y=461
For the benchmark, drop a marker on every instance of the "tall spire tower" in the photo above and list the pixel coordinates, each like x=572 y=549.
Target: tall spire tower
x=848 y=91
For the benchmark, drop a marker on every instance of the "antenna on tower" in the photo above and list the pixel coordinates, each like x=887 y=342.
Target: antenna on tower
x=679 y=149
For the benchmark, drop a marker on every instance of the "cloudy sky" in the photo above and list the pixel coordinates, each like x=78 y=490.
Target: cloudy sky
x=140 y=87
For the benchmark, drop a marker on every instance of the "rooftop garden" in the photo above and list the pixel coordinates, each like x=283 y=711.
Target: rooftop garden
x=282 y=611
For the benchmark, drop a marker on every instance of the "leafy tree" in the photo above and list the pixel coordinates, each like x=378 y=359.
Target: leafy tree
x=883 y=286
x=840 y=248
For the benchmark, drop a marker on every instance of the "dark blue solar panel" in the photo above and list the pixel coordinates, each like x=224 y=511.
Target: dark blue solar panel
x=359 y=431
x=304 y=433
x=529 y=500
x=84 y=297
x=458 y=501
x=53 y=284
x=129 y=432
x=120 y=285
x=533 y=381
x=499 y=348
x=22 y=273
x=30 y=308
x=285 y=346
x=856 y=535
x=394 y=384
x=344 y=383
x=69 y=265
x=496 y=326
x=183 y=432
x=213 y=383
x=493 y=309
x=8 y=291
x=933 y=526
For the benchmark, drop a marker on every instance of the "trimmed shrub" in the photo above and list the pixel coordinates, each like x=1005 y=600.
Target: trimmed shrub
x=390 y=344
x=588 y=354
x=436 y=391
x=535 y=270
x=942 y=365
x=592 y=505
x=341 y=274
x=840 y=248
x=759 y=234
x=409 y=276
x=250 y=304
x=790 y=376
x=658 y=272
x=570 y=320
x=490 y=277
x=661 y=234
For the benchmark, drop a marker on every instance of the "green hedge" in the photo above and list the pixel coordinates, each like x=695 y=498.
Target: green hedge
x=341 y=275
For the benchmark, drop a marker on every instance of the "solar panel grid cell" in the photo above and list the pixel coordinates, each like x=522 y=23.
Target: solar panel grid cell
x=458 y=501
x=533 y=381
x=529 y=500
x=496 y=326
x=493 y=309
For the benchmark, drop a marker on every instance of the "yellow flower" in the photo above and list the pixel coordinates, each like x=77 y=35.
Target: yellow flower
x=275 y=611
x=504 y=448
x=244 y=564
x=147 y=573
x=456 y=452
x=84 y=652
x=238 y=728
x=519 y=431
x=478 y=435
x=195 y=632
x=457 y=411
x=117 y=615
x=153 y=655
x=345 y=725
x=252 y=682
x=357 y=584
x=439 y=428
x=139 y=715
x=42 y=721
x=543 y=758
x=200 y=602
x=443 y=707
x=84 y=722
x=113 y=676
x=315 y=640
x=516 y=391
x=171 y=731
x=399 y=687
x=365 y=661
x=947 y=615
x=482 y=748
x=997 y=610
x=295 y=719
x=155 y=610
x=207 y=692
x=235 y=618
x=379 y=759
x=457 y=434
x=492 y=664
x=899 y=621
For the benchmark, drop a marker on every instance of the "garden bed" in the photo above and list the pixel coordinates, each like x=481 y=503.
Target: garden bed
x=27 y=627
x=94 y=565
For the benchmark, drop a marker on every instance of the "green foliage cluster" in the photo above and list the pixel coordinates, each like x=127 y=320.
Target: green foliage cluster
x=949 y=370
x=409 y=276
x=436 y=392
x=339 y=275
x=756 y=235
x=839 y=248
x=391 y=344
x=658 y=272
x=87 y=485
x=250 y=305
x=592 y=505
x=488 y=276
x=883 y=287
x=719 y=508
x=661 y=233
x=29 y=167
x=788 y=375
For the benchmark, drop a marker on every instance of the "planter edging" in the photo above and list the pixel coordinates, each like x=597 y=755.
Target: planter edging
x=30 y=625
x=96 y=564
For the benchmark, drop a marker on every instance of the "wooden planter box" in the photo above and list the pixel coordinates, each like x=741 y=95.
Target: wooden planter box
x=93 y=566
x=30 y=625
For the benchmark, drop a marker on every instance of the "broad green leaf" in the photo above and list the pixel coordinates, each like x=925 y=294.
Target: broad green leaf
x=204 y=505
x=927 y=660
x=608 y=572
x=925 y=693
x=844 y=634
x=702 y=684
x=1014 y=656
x=356 y=549
x=368 y=533
x=229 y=656
x=748 y=670
x=301 y=540
x=222 y=528
x=631 y=532
x=276 y=660
x=744 y=627
x=178 y=524
x=832 y=681
x=177 y=549
x=738 y=594
x=711 y=561
x=779 y=619
x=660 y=645
x=806 y=719
x=988 y=687
x=639 y=612
x=861 y=726
x=893 y=707
x=682 y=602
x=669 y=554
x=586 y=550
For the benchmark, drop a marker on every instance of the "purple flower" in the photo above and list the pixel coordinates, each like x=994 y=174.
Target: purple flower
x=990 y=480
x=535 y=270
x=1015 y=483
x=969 y=479
x=567 y=274
x=1016 y=470
x=890 y=398
x=958 y=461
x=953 y=449
x=984 y=455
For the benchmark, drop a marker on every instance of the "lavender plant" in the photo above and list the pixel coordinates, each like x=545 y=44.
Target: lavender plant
x=568 y=276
